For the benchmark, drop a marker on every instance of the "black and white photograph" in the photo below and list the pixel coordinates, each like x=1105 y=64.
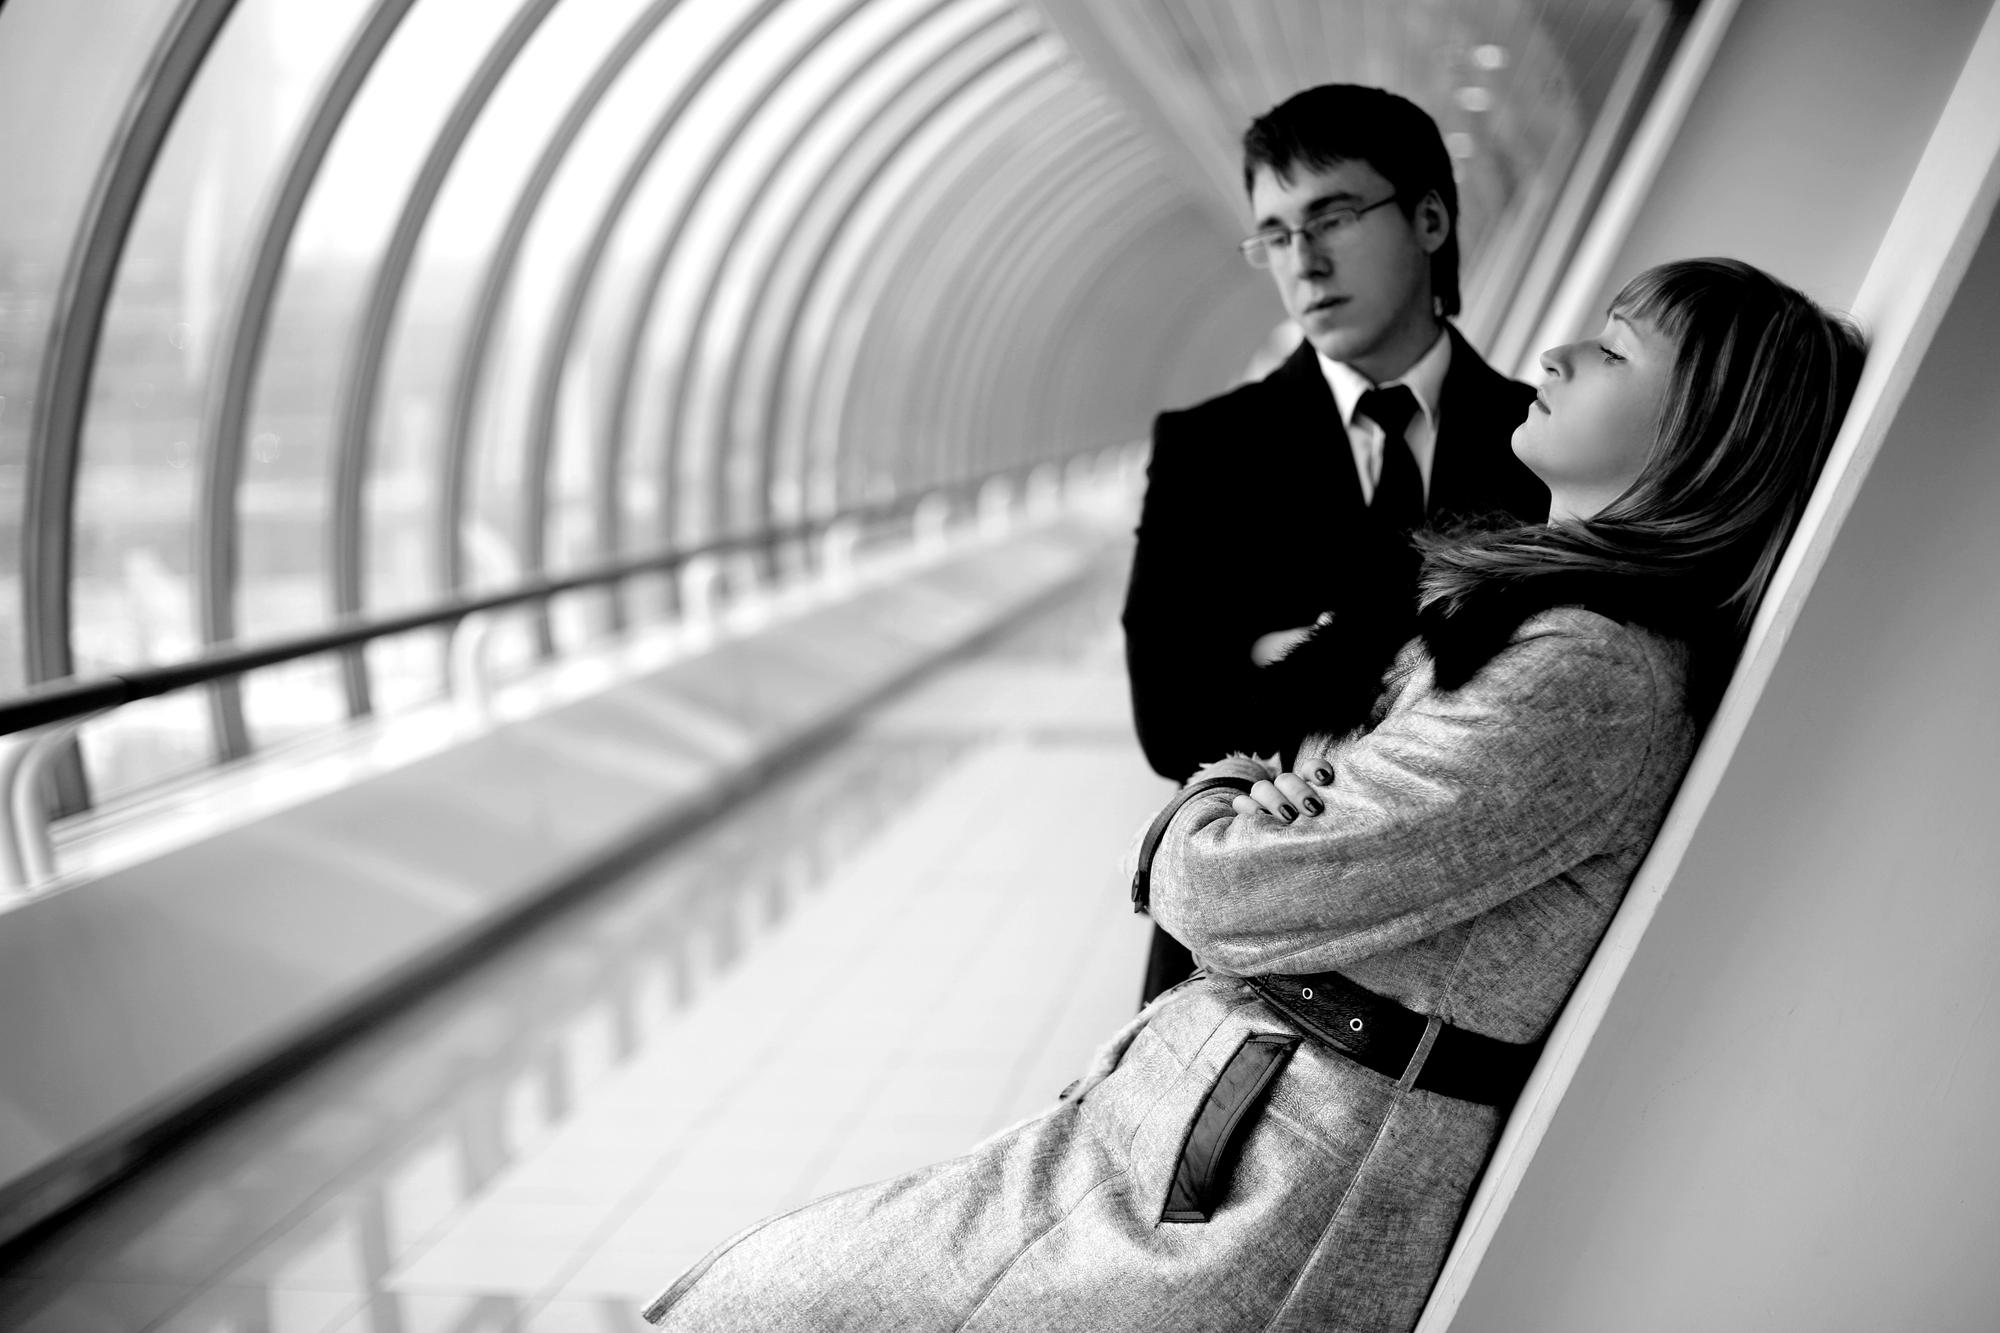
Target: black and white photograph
x=999 y=666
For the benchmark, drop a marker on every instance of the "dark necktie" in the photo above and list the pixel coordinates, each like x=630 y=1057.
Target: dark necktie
x=1399 y=490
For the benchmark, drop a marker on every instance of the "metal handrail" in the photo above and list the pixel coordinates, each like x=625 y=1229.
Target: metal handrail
x=60 y=701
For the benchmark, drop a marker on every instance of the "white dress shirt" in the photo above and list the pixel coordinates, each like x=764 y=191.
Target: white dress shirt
x=1425 y=379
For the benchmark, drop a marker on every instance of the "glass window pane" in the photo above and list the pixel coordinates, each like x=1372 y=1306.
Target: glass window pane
x=139 y=473
x=146 y=743
x=718 y=264
x=284 y=500
x=833 y=319
x=922 y=71
x=786 y=236
x=575 y=201
x=66 y=73
x=402 y=547
x=293 y=700
x=132 y=587
x=963 y=233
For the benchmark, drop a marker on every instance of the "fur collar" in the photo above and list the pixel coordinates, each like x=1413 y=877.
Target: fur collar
x=1332 y=682
x=1466 y=637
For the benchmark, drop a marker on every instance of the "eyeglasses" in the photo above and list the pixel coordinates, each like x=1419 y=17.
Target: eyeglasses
x=1322 y=231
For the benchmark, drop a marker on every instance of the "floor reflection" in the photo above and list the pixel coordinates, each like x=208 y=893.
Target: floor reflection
x=903 y=943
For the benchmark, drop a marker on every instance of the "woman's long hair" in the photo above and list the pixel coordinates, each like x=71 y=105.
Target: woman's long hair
x=1756 y=395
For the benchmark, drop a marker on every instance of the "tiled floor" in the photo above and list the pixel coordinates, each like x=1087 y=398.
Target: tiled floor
x=909 y=942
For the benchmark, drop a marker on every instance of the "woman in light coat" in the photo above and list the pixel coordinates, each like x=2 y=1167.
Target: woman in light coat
x=1288 y=1140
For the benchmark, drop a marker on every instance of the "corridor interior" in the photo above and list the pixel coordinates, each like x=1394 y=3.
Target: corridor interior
x=904 y=941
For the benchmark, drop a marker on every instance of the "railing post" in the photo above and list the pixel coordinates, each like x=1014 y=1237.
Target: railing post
x=1078 y=474
x=699 y=577
x=996 y=508
x=930 y=526
x=1044 y=493
x=836 y=553
x=13 y=864
x=467 y=652
x=27 y=856
x=789 y=553
x=744 y=578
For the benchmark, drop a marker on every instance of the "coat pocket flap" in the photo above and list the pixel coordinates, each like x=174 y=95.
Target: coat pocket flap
x=1202 y=1173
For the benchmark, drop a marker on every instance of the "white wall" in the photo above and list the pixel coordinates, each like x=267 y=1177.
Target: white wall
x=1788 y=1119
x=1797 y=147
x=1784 y=1120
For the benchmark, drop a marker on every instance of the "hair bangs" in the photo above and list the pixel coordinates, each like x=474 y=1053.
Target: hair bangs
x=1761 y=381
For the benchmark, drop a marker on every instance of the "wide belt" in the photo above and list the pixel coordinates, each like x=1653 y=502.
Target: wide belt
x=1375 y=1031
x=1367 y=1028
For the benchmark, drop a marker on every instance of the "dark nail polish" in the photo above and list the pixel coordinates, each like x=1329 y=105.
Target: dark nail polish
x=1312 y=805
x=1286 y=813
x=1322 y=776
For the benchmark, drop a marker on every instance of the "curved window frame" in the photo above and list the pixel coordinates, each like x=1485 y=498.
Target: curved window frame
x=757 y=391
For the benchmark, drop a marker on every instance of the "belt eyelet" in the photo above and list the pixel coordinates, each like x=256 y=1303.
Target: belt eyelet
x=1306 y=994
x=1354 y=1023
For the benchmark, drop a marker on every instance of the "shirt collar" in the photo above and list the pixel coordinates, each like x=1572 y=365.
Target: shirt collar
x=1425 y=379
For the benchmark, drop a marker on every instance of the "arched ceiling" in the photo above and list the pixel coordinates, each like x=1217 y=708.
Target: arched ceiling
x=1517 y=86
x=318 y=311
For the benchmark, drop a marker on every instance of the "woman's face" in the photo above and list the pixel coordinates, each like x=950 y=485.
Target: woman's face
x=1597 y=414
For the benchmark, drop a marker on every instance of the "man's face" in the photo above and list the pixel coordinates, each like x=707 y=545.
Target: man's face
x=1358 y=293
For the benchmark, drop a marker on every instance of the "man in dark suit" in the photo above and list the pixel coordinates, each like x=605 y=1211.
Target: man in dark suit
x=1289 y=503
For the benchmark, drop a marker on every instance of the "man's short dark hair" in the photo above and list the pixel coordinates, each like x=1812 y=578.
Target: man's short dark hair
x=1345 y=122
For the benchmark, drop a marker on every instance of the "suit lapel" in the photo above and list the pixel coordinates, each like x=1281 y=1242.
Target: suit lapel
x=1458 y=463
x=1305 y=414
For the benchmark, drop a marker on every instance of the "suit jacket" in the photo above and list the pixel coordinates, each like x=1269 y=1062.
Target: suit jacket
x=1254 y=522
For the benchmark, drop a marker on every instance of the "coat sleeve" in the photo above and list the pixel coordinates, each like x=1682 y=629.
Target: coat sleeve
x=1193 y=684
x=1448 y=808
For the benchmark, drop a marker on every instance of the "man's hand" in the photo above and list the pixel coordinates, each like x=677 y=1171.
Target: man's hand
x=1276 y=645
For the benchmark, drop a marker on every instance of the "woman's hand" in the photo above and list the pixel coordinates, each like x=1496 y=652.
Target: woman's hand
x=1245 y=766
x=1284 y=796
